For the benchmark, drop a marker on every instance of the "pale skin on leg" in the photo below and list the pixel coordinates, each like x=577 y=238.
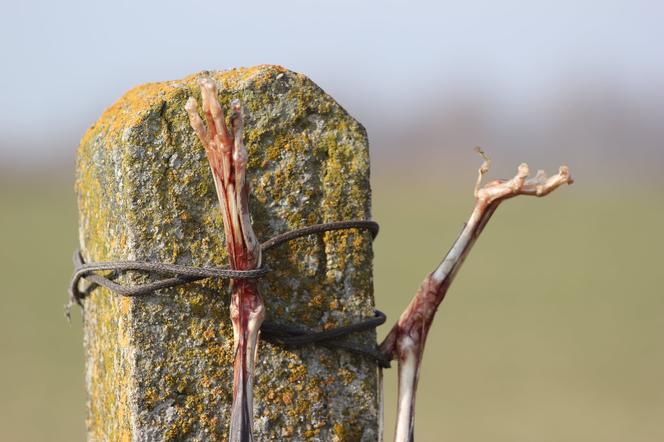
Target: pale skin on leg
x=227 y=156
x=406 y=340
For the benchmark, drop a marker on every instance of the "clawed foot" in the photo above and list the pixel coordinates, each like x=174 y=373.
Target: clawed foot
x=539 y=185
x=406 y=340
x=228 y=157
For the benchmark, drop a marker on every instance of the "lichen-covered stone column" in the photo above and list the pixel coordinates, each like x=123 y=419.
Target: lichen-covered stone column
x=160 y=367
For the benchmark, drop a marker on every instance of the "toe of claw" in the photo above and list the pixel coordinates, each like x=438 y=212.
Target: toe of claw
x=563 y=171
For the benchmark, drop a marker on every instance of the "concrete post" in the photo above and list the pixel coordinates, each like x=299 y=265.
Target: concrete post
x=160 y=367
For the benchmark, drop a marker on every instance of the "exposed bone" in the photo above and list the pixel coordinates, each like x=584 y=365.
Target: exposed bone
x=228 y=157
x=406 y=340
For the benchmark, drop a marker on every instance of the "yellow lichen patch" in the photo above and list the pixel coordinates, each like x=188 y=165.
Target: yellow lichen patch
x=338 y=433
x=346 y=375
x=297 y=374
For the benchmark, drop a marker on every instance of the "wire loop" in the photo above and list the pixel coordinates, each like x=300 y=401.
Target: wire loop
x=288 y=335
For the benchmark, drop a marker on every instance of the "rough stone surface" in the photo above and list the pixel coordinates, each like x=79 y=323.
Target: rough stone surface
x=160 y=367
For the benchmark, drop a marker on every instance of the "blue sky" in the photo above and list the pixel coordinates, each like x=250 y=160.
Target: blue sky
x=65 y=61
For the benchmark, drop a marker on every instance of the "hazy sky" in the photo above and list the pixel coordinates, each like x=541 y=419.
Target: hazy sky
x=64 y=61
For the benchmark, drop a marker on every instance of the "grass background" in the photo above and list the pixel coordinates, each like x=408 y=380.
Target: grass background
x=552 y=331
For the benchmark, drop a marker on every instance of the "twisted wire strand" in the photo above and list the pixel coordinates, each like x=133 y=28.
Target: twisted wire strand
x=287 y=335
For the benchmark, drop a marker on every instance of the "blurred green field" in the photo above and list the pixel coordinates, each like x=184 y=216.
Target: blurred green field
x=552 y=331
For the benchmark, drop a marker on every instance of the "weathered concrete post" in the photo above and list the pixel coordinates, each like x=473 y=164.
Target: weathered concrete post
x=160 y=367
